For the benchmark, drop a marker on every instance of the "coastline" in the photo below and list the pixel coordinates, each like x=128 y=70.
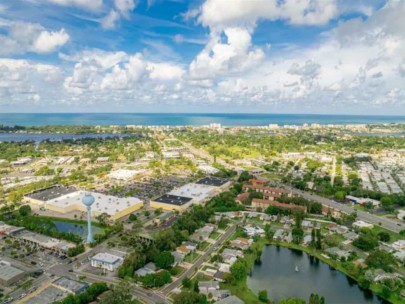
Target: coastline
x=192 y=119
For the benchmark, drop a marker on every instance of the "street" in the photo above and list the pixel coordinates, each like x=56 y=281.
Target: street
x=197 y=264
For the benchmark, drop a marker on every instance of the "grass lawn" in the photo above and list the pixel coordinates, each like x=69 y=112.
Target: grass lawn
x=176 y=270
x=272 y=175
x=190 y=258
x=202 y=246
x=255 y=221
x=215 y=235
x=242 y=291
x=394 y=236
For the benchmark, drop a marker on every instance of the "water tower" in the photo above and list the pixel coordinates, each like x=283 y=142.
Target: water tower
x=88 y=200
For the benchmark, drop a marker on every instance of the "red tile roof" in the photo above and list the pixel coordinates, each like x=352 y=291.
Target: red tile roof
x=277 y=204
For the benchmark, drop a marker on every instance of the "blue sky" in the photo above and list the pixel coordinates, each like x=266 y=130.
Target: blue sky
x=308 y=56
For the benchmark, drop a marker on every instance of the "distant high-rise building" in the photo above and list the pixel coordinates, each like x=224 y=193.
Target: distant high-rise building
x=88 y=200
x=215 y=125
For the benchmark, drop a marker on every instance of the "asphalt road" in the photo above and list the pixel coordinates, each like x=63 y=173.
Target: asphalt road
x=361 y=215
x=197 y=264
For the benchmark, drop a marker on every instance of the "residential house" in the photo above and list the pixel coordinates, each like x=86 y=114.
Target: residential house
x=203 y=233
x=251 y=231
x=230 y=300
x=278 y=235
x=307 y=239
x=242 y=243
x=178 y=258
x=147 y=269
x=337 y=252
x=211 y=290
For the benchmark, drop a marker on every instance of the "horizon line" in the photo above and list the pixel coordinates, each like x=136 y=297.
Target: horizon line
x=207 y=113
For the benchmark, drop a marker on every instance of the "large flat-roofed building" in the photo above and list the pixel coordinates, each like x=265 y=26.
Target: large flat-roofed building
x=10 y=275
x=171 y=202
x=198 y=192
x=48 y=194
x=214 y=181
x=65 y=200
x=106 y=261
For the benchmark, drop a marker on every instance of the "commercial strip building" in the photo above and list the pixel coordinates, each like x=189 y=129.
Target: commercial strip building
x=55 y=291
x=67 y=199
x=106 y=261
x=10 y=275
x=35 y=239
x=70 y=285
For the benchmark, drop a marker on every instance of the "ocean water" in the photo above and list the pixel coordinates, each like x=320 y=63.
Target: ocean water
x=187 y=119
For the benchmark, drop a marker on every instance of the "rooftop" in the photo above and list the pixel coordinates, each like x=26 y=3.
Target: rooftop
x=70 y=285
x=50 y=294
x=103 y=203
x=8 y=272
x=212 y=181
x=107 y=258
x=195 y=191
x=50 y=193
x=173 y=199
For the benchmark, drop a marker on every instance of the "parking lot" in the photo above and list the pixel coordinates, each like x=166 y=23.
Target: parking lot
x=149 y=189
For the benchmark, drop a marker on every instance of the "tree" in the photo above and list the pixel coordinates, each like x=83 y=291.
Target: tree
x=316 y=299
x=132 y=217
x=75 y=250
x=157 y=279
x=119 y=294
x=245 y=176
x=89 y=295
x=340 y=195
x=380 y=259
x=366 y=241
x=318 y=243
x=263 y=297
x=164 y=259
x=187 y=282
x=269 y=232
x=292 y=301
x=239 y=269
x=384 y=236
x=24 y=210
x=386 y=203
x=102 y=218
x=297 y=234
x=189 y=297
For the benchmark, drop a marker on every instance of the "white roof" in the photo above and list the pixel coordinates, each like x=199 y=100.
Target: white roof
x=195 y=191
x=103 y=203
x=107 y=258
x=123 y=174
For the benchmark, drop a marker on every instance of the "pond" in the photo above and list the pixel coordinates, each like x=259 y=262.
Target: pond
x=276 y=272
x=75 y=228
